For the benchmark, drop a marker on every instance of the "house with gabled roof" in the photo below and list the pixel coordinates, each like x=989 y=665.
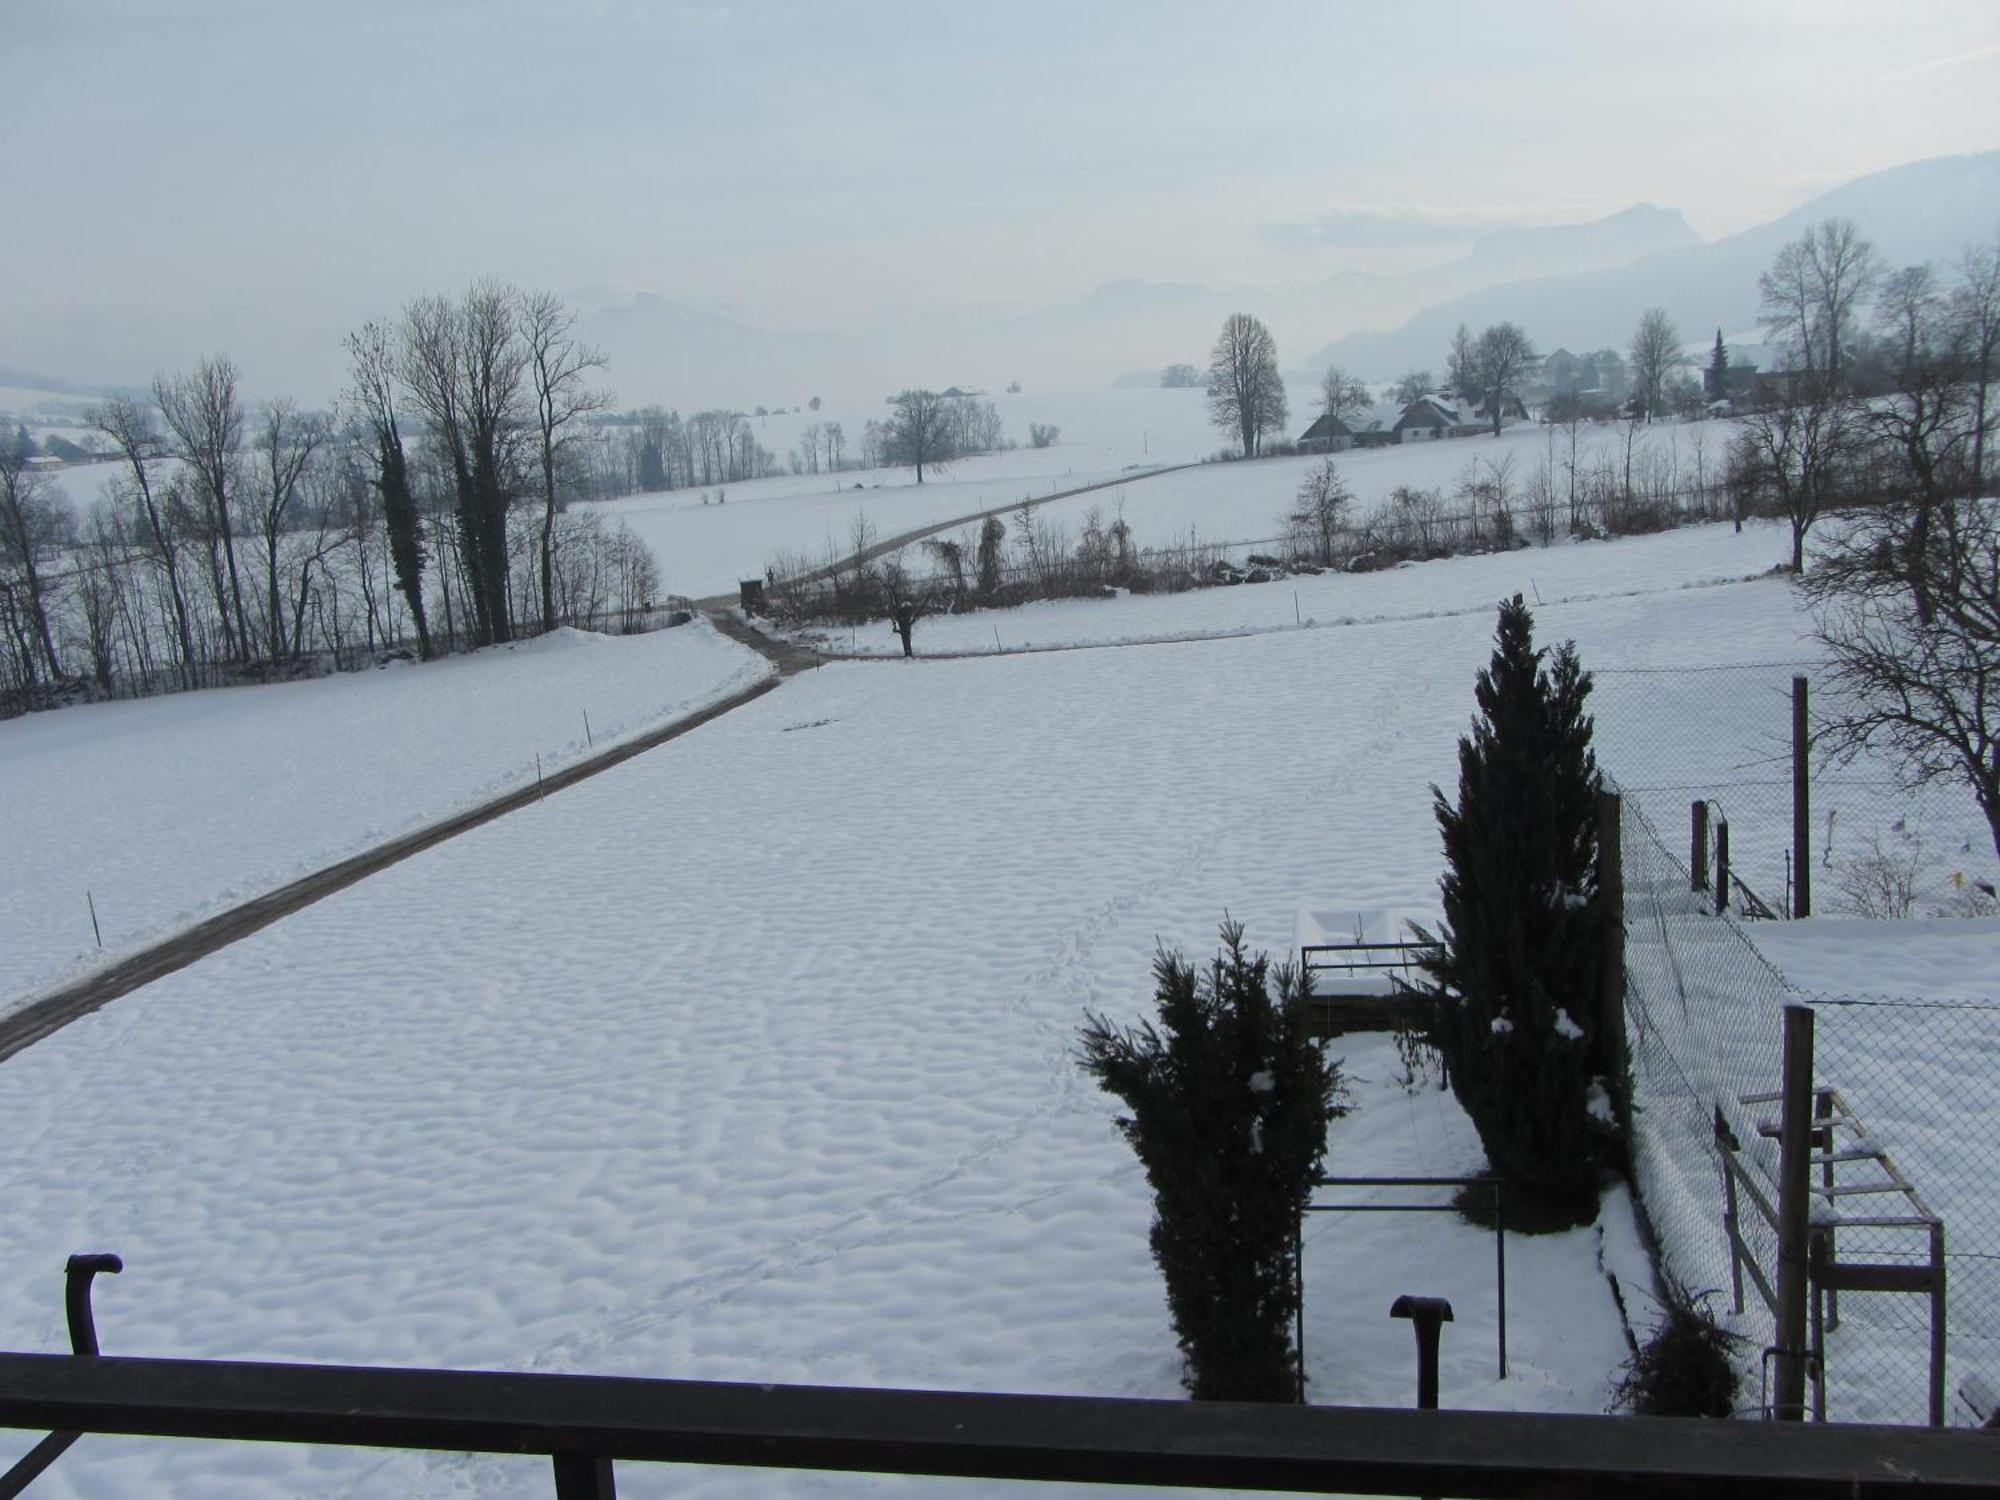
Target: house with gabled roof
x=1328 y=434
x=1427 y=419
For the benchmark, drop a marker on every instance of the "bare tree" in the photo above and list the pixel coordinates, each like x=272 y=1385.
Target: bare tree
x=949 y=553
x=557 y=367
x=373 y=364
x=835 y=439
x=1501 y=358
x=1922 y=682
x=1245 y=393
x=1924 y=423
x=1461 y=366
x=1320 y=509
x=1976 y=309
x=1655 y=355
x=1415 y=385
x=206 y=422
x=1341 y=393
x=286 y=442
x=1813 y=291
x=1791 y=455
x=919 y=434
x=463 y=364
x=33 y=528
x=130 y=429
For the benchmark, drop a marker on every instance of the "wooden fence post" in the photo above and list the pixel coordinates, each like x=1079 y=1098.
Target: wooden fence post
x=1801 y=805
x=1795 y=1142
x=1721 y=866
x=1698 y=844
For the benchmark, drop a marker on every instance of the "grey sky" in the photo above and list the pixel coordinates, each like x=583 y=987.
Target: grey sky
x=190 y=175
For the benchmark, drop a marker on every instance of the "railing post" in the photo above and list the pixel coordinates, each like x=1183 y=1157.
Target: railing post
x=1795 y=1139
x=581 y=1476
x=1698 y=845
x=1938 y=1323
x=1721 y=866
x=1801 y=805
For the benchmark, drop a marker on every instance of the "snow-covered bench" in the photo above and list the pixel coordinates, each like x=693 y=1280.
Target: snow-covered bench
x=1363 y=966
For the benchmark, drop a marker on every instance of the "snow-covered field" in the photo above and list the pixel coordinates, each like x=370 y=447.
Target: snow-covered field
x=705 y=548
x=753 y=1058
x=1244 y=502
x=1566 y=572
x=166 y=809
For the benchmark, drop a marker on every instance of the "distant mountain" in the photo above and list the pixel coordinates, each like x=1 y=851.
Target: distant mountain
x=1120 y=323
x=1643 y=229
x=1928 y=210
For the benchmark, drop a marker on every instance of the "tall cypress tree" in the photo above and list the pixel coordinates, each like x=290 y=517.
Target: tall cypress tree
x=1522 y=942
x=1230 y=1100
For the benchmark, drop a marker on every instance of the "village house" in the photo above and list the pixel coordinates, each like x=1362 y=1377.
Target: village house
x=1357 y=427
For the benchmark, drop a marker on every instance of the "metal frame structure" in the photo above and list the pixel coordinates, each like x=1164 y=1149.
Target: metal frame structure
x=1839 y=1143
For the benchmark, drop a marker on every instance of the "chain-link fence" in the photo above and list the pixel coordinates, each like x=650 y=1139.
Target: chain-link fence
x=1704 y=1011
x=1920 y=1076
x=1723 y=736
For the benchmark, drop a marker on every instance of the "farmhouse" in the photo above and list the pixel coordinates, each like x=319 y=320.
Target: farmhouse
x=1357 y=427
x=1328 y=434
x=1427 y=419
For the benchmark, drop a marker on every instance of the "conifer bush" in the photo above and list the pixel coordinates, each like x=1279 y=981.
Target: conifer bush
x=1687 y=1368
x=1230 y=1100
x=1521 y=948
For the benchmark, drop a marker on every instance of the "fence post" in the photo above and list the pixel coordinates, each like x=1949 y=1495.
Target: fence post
x=1611 y=973
x=584 y=1476
x=1795 y=1141
x=1698 y=844
x=1801 y=805
x=1721 y=866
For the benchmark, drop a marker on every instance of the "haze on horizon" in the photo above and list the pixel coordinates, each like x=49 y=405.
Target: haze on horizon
x=224 y=175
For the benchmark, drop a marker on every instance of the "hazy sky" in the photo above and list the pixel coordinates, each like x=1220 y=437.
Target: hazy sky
x=254 y=176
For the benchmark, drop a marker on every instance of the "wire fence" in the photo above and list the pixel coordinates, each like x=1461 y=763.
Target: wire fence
x=1704 y=1009
x=1722 y=735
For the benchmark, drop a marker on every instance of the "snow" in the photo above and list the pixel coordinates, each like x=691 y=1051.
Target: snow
x=623 y=1082
x=1240 y=502
x=753 y=1058
x=164 y=810
x=1566 y=1028
x=1935 y=958
x=1597 y=1101
x=704 y=549
x=1568 y=573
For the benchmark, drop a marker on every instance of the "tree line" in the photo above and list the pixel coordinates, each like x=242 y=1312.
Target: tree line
x=238 y=542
